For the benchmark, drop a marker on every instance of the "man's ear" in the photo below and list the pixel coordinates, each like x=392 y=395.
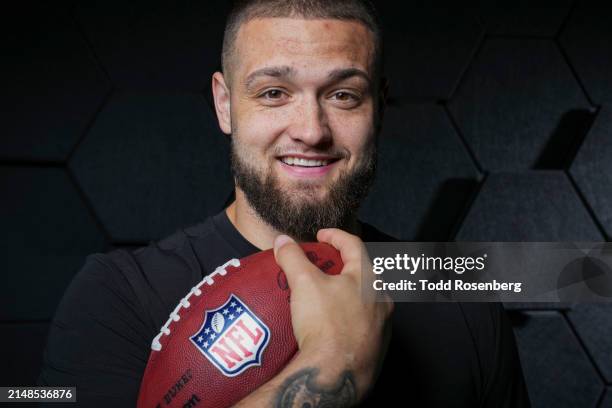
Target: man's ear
x=221 y=97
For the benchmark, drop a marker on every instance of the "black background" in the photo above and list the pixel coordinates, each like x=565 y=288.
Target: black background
x=499 y=129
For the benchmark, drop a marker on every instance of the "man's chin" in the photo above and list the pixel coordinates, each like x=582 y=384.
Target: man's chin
x=301 y=183
x=297 y=197
x=299 y=206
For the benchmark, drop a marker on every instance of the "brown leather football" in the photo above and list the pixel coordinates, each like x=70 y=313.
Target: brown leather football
x=229 y=335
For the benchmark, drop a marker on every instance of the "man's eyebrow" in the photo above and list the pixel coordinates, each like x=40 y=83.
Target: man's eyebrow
x=287 y=71
x=345 y=73
x=276 y=72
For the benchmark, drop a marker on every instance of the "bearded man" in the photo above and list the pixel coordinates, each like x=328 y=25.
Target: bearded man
x=301 y=96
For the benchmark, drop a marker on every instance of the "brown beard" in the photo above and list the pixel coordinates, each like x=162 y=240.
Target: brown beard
x=302 y=220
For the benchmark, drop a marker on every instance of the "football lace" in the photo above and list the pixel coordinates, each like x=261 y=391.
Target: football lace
x=184 y=302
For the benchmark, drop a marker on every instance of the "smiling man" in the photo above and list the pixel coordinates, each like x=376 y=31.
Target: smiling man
x=301 y=97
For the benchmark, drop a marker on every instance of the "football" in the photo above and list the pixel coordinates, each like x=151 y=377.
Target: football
x=230 y=334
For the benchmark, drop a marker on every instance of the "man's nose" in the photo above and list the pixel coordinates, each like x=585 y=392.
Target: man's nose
x=310 y=124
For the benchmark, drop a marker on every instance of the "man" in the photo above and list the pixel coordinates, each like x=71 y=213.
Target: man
x=301 y=96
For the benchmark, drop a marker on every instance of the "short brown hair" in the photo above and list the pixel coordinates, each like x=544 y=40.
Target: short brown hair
x=355 y=10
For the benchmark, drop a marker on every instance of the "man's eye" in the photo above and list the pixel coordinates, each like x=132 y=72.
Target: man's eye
x=344 y=97
x=272 y=94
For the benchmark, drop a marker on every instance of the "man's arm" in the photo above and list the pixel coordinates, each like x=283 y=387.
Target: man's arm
x=506 y=385
x=503 y=382
x=99 y=338
x=342 y=339
x=306 y=381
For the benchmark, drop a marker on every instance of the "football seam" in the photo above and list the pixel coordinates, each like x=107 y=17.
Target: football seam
x=184 y=302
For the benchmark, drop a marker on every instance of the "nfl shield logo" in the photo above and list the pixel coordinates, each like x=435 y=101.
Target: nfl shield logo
x=232 y=337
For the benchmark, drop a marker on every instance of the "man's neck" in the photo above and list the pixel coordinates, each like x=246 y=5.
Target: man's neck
x=255 y=230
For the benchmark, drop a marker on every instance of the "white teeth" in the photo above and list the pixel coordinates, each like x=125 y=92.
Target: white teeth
x=296 y=161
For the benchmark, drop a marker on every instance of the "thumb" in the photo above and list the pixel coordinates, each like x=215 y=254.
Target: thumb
x=292 y=260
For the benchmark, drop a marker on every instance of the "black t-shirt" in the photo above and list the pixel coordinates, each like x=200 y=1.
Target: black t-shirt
x=441 y=355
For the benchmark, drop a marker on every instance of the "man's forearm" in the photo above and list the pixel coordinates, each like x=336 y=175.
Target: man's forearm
x=304 y=383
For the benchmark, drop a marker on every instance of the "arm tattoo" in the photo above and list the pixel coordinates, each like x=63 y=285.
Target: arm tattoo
x=301 y=391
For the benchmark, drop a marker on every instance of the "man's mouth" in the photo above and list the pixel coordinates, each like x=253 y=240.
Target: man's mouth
x=301 y=162
x=307 y=167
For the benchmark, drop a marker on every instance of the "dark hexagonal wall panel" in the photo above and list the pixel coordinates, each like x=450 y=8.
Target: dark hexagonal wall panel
x=22 y=351
x=586 y=39
x=425 y=175
x=153 y=163
x=524 y=17
x=529 y=206
x=606 y=402
x=557 y=370
x=592 y=168
x=51 y=87
x=51 y=232
x=156 y=44
x=428 y=45
x=511 y=125
x=594 y=327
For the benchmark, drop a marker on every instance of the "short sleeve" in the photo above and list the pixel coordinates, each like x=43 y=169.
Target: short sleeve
x=99 y=339
x=503 y=384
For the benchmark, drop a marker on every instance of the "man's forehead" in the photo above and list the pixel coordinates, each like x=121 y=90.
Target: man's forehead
x=288 y=41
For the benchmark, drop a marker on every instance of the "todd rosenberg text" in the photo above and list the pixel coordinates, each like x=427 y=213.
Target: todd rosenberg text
x=446 y=285
x=422 y=264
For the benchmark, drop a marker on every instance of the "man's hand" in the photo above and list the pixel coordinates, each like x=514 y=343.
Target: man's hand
x=331 y=322
x=342 y=339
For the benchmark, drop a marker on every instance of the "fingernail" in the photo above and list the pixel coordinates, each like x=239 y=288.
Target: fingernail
x=281 y=240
